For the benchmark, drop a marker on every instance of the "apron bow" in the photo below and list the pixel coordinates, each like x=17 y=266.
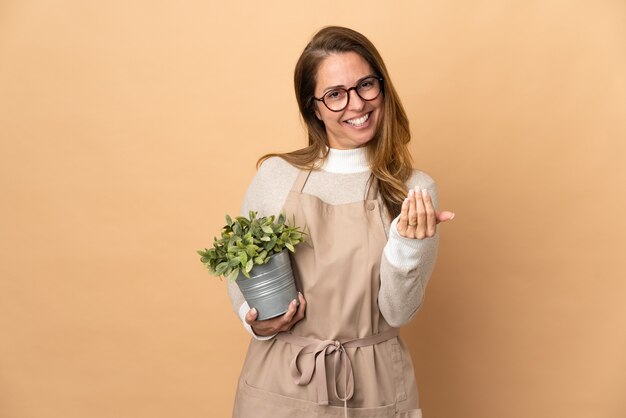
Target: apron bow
x=317 y=363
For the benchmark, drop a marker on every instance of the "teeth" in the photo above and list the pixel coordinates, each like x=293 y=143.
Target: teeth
x=359 y=121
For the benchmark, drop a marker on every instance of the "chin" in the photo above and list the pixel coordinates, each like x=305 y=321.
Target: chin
x=365 y=139
x=363 y=143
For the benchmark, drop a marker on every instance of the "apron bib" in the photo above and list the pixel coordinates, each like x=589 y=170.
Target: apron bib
x=342 y=359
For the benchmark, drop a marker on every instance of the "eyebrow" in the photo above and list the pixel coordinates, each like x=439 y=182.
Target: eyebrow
x=344 y=87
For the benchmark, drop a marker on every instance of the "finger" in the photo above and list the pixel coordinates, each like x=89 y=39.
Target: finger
x=404 y=218
x=301 y=308
x=431 y=218
x=291 y=311
x=412 y=224
x=446 y=215
x=251 y=316
x=300 y=312
x=420 y=230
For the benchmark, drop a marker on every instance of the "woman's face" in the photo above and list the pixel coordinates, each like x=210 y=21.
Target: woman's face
x=355 y=125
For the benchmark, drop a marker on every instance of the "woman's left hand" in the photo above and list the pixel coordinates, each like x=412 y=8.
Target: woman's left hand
x=418 y=218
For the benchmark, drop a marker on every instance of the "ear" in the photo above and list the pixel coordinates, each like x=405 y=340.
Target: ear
x=317 y=113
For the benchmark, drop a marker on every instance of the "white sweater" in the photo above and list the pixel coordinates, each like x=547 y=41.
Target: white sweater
x=406 y=263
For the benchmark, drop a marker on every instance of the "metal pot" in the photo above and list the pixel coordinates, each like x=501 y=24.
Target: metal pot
x=271 y=286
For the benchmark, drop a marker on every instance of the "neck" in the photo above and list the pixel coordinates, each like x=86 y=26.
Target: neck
x=346 y=161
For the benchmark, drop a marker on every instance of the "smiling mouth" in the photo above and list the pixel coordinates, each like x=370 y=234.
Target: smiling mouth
x=356 y=122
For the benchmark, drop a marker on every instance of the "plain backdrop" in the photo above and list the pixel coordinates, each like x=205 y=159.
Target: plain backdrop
x=129 y=128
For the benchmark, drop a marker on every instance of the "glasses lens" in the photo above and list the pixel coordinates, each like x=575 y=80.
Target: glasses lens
x=369 y=88
x=336 y=99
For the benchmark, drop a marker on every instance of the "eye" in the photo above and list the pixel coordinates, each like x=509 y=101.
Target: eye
x=335 y=95
x=366 y=84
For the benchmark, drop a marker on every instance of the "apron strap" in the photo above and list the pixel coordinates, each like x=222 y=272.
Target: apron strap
x=372 y=189
x=298 y=185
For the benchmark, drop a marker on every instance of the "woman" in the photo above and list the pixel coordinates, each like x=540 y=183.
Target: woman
x=372 y=245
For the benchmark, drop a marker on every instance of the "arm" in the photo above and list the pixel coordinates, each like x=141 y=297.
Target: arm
x=407 y=264
x=266 y=195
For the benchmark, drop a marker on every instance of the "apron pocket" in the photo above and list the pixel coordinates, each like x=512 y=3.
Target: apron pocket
x=253 y=402
x=413 y=413
x=258 y=403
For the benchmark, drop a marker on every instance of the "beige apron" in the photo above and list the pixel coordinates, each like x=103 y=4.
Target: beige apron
x=342 y=359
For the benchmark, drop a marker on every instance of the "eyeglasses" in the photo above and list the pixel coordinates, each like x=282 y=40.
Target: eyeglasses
x=337 y=99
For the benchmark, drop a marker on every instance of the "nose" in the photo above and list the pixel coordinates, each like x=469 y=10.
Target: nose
x=355 y=102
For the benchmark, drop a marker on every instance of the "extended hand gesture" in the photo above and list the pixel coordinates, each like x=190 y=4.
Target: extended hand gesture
x=418 y=218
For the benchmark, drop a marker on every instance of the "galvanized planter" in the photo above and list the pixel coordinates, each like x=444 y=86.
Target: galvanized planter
x=271 y=286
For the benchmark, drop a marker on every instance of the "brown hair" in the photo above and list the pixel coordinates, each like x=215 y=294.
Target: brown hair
x=387 y=152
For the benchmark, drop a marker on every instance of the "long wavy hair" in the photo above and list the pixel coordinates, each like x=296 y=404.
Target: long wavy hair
x=387 y=153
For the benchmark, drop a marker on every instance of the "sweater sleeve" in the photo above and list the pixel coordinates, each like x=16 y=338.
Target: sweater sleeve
x=406 y=266
x=266 y=195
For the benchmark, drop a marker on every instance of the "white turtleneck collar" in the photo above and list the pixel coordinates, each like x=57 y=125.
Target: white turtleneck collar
x=346 y=161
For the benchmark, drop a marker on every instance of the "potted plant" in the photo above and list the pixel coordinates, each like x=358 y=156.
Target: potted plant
x=254 y=253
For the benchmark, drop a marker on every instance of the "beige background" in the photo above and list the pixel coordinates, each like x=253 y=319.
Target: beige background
x=128 y=129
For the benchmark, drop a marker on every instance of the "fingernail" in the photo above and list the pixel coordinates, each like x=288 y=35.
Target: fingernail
x=406 y=200
x=299 y=293
x=253 y=310
x=424 y=192
x=452 y=217
x=293 y=302
x=411 y=193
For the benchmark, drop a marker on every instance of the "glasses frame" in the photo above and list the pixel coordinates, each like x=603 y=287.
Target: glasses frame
x=355 y=88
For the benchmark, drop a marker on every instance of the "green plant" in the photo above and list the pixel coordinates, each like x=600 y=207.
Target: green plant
x=248 y=241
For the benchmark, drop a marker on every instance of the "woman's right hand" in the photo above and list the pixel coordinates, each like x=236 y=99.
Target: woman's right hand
x=279 y=324
x=418 y=219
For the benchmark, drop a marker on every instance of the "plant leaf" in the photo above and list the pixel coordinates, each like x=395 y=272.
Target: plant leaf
x=233 y=275
x=221 y=268
x=251 y=249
